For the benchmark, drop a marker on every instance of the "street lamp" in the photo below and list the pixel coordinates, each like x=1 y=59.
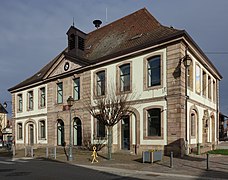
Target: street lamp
x=187 y=63
x=70 y=101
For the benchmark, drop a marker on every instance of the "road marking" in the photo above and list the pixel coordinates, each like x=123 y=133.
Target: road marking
x=6 y=162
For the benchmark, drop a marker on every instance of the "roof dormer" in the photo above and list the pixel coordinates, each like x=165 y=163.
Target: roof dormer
x=76 y=41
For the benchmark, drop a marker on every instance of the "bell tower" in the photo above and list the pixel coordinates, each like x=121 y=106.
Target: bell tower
x=76 y=41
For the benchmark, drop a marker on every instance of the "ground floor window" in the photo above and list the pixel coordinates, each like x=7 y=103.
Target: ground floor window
x=154 y=122
x=19 y=131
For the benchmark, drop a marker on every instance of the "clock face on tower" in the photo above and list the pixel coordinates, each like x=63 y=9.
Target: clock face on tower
x=66 y=66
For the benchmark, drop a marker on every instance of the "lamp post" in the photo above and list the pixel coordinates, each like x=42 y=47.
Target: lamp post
x=187 y=62
x=70 y=101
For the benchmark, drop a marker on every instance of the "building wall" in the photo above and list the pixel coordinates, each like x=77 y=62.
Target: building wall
x=29 y=117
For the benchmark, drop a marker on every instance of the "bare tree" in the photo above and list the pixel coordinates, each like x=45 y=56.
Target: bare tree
x=109 y=110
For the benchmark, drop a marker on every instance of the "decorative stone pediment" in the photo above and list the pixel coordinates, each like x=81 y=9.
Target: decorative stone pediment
x=63 y=66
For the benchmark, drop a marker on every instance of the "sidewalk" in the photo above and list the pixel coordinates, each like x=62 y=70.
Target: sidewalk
x=193 y=166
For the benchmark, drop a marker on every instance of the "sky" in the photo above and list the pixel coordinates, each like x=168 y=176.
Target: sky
x=33 y=32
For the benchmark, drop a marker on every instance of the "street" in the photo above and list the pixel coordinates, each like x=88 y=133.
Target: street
x=43 y=169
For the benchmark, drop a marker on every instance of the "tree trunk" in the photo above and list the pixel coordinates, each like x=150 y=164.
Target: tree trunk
x=109 y=142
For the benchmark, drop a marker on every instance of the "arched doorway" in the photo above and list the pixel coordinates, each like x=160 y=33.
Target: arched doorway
x=125 y=133
x=60 y=133
x=31 y=134
x=77 y=132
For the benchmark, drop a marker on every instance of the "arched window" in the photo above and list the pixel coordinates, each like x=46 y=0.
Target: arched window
x=77 y=133
x=60 y=133
x=193 y=123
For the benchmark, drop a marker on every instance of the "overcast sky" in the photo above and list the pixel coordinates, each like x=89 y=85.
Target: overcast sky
x=32 y=32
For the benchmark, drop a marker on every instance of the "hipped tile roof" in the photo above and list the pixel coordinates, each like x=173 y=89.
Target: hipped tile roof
x=132 y=32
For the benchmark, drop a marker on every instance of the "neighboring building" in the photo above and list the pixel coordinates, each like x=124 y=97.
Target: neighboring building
x=5 y=127
x=223 y=127
x=135 y=54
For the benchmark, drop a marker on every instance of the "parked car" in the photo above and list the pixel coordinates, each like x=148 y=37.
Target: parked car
x=1 y=143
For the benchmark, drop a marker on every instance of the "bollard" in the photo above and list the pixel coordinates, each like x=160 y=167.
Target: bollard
x=26 y=152
x=207 y=161
x=171 y=160
x=14 y=150
x=31 y=151
x=46 y=152
x=55 y=152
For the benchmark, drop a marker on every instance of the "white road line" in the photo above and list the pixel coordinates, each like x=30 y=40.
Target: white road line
x=6 y=162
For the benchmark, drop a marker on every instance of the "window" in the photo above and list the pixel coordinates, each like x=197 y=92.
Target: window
x=20 y=102
x=214 y=91
x=154 y=122
x=198 y=80
x=193 y=124
x=154 y=71
x=101 y=83
x=77 y=89
x=59 y=93
x=209 y=87
x=30 y=100
x=100 y=129
x=19 y=131
x=42 y=129
x=125 y=77
x=204 y=83
x=42 y=97
x=190 y=76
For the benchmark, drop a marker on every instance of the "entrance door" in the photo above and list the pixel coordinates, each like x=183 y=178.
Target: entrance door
x=31 y=134
x=126 y=133
x=77 y=132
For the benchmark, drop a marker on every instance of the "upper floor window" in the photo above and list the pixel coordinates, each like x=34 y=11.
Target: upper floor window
x=30 y=100
x=20 y=102
x=125 y=77
x=154 y=71
x=214 y=91
x=204 y=83
x=209 y=87
x=19 y=131
x=198 y=79
x=59 y=92
x=77 y=89
x=190 y=76
x=154 y=122
x=42 y=97
x=100 y=83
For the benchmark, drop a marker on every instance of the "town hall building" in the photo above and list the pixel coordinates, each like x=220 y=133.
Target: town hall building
x=176 y=87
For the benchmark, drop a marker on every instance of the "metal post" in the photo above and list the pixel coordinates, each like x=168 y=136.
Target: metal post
x=31 y=151
x=70 y=158
x=171 y=160
x=55 y=152
x=25 y=151
x=46 y=152
x=207 y=161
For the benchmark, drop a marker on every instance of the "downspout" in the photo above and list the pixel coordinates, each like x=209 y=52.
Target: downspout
x=217 y=111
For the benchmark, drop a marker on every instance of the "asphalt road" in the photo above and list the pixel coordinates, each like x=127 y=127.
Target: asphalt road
x=40 y=169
